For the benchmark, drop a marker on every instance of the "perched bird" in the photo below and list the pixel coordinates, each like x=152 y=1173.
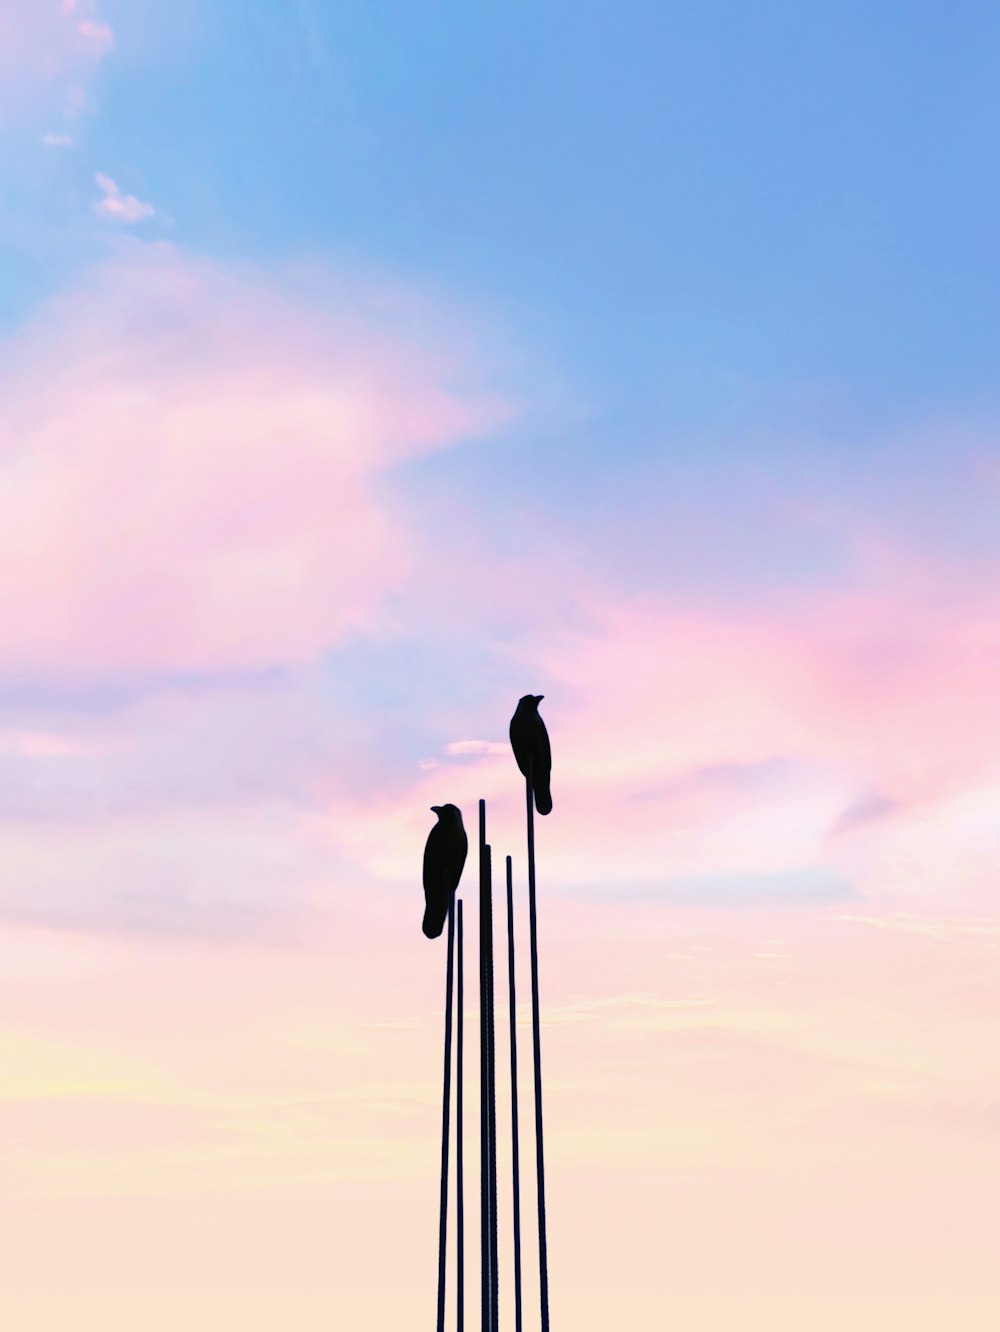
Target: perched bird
x=444 y=859
x=530 y=741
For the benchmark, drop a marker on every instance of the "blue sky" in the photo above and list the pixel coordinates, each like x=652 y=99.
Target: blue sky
x=723 y=261
x=364 y=366
x=728 y=264
x=711 y=215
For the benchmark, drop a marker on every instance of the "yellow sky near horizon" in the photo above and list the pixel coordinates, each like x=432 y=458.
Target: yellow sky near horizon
x=742 y=1109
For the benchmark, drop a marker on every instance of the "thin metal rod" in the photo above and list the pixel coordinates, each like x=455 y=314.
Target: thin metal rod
x=512 y=1004
x=491 y=1030
x=484 y=1127
x=543 y=1248
x=446 y=1106
x=459 y=1136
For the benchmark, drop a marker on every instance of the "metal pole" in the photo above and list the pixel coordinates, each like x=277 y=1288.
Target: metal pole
x=490 y=1026
x=446 y=1105
x=513 y=1082
x=459 y=1149
x=543 y=1250
x=484 y=1127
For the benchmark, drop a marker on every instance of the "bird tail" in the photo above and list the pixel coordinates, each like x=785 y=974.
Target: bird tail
x=543 y=798
x=433 y=922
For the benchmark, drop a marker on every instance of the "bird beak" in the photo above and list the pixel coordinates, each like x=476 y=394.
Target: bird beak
x=435 y=809
x=539 y=697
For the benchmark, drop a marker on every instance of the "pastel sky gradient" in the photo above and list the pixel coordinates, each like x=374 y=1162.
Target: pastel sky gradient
x=363 y=367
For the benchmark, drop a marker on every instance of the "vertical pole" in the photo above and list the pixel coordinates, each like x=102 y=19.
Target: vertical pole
x=543 y=1249
x=459 y=1147
x=446 y=1105
x=513 y=1081
x=492 y=1107
x=484 y=1135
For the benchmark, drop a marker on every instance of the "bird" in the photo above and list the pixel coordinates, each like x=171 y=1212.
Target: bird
x=444 y=859
x=530 y=742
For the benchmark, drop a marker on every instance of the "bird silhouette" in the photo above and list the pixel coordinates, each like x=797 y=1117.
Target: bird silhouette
x=530 y=742
x=444 y=859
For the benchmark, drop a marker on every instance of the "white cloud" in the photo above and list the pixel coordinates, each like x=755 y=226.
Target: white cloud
x=949 y=929
x=118 y=207
x=57 y=140
x=48 y=52
x=98 y=35
x=460 y=748
x=265 y=424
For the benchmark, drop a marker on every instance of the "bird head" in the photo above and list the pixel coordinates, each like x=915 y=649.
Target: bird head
x=445 y=812
x=530 y=701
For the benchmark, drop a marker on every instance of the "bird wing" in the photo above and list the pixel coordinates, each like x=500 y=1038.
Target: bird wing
x=459 y=853
x=520 y=741
x=543 y=750
x=435 y=860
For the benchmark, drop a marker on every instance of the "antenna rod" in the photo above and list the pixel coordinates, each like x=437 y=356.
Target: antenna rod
x=492 y=1107
x=513 y=1086
x=543 y=1248
x=446 y=1106
x=459 y=1148
x=484 y=1124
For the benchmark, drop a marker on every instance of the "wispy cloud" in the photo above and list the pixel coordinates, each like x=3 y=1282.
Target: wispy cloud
x=213 y=504
x=475 y=748
x=119 y=207
x=807 y=885
x=638 y=1011
x=947 y=929
x=866 y=810
x=193 y=507
x=720 y=777
x=98 y=35
x=49 y=51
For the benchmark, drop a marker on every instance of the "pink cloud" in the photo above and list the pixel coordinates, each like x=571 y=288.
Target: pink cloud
x=191 y=468
x=98 y=35
x=890 y=688
x=46 y=744
x=711 y=752
x=118 y=207
x=197 y=483
x=773 y=1094
x=46 y=46
x=475 y=748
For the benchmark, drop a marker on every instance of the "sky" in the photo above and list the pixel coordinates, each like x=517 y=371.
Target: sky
x=362 y=368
